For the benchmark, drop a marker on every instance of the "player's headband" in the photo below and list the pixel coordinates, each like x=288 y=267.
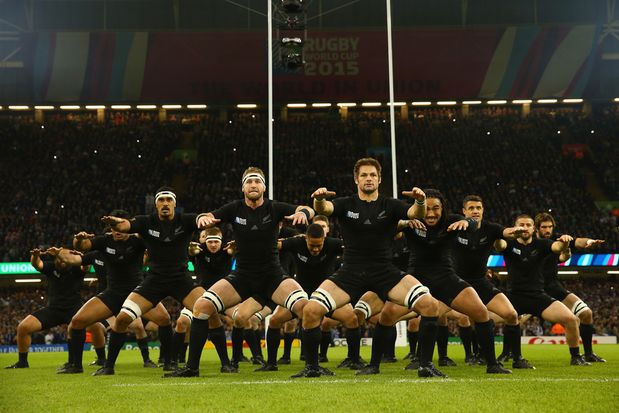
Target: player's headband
x=165 y=193
x=253 y=175
x=213 y=238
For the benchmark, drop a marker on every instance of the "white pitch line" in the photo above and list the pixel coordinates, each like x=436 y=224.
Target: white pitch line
x=420 y=381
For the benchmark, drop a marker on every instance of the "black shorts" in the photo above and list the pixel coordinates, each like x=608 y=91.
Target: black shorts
x=157 y=287
x=556 y=290
x=484 y=288
x=260 y=285
x=113 y=299
x=533 y=303
x=444 y=287
x=52 y=317
x=356 y=282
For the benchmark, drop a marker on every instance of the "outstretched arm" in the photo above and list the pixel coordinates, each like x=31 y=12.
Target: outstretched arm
x=321 y=205
x=418 y=209
x=117 y=224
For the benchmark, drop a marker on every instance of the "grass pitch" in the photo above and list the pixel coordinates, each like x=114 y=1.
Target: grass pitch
x=554 y=386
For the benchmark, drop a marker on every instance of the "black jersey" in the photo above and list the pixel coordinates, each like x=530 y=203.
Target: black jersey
x=401 y=253
x=368 y=228
x=430 y=249
x=255 y=232
x=471 y=249
x=524 y=264
x=99 y=266
x=63 y=286
x=210 y=268
x=550 y=266
x=166 y=241
x=313 y=270
x=123 y=260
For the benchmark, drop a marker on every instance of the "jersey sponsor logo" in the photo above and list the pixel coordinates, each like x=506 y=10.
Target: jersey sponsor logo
x=254 y=228
x=382 y=215
x=240 y=221
x=110 y=251
x=353 y=215
x=100 y=263
x=207 y=259
x=516 y=251
x=154 y=233
x=420 y=232
x=367 y=222
x=302 y=257
x=463 y=241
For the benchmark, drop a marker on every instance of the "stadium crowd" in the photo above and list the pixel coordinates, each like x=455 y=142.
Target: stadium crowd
x=515 y=164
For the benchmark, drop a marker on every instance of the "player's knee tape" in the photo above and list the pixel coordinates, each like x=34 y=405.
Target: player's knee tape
x=414 y=294
x=187 y=313
x=105 y=324
x=132 y=309
x=578 y=307
x=259 y=316
x=323 y=298
x=364 y=308
x=294 y=297
x=215 y=299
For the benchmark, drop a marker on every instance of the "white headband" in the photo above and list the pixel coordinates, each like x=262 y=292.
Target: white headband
x=253 y=175
x=165 y=193
x=213 y=238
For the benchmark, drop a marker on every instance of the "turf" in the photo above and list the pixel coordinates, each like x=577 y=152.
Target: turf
x=553 y=386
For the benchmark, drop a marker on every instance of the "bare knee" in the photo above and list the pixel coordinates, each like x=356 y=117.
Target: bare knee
x=427 y=307
x=78 y=322
x=122 y=322
x=511 y=318
x=313 y=313
x=586 y=317
x=350 y=321
x=182 y=324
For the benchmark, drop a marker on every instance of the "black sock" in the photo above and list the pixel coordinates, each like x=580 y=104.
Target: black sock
x=325 y=341
x=574 y=351
x=70 y=351
x=23 y=357
x=485 y=336
x=311 y=342
x=78 y=337
x=259 y=337
x=442 y=337
x=413 y=338
x=288 y=339
x=115 y=344
x=198 y=334
x=465 y=336
x=474 y=342
x=302 y=345
x=381 y=333
x=427 y=338
x=392 y=335
x=353 y=339
x=218 y=337
x=273 y=340
x=586 y=333
x=178 y=341
x=143 y=346
x=511 y=341
x=237 y=344
x=100 y=353
x=252 y=342
x=165 y=338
